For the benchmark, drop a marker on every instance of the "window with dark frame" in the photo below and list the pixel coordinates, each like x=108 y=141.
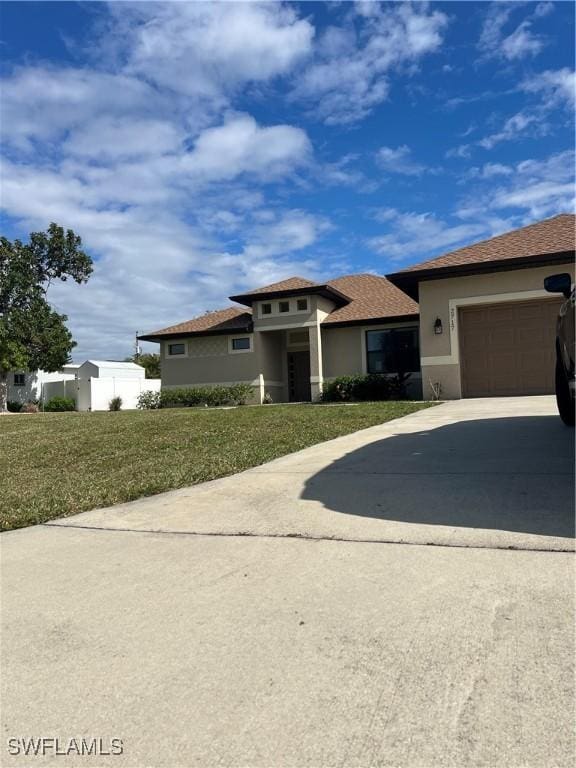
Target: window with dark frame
x=176 y=349
x=302 y=305
x=283 y=306
x=393 y=350
x=266 y=309
x=241 y=344
x=19 y=379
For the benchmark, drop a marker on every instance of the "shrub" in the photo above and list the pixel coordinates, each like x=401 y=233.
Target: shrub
x=30 y=408
x=187 y=397
x=115 y=404
x=373 y=386
x=148 y=400
x=60 y=404
x=13 y=406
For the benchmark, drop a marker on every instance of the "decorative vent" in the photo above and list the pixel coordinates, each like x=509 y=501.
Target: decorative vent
x=208 y=346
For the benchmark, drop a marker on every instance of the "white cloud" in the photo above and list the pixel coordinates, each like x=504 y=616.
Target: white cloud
x=543 y=9
x=537 y=195
x=45 y=103
x=558 y=87
x=399 y=161
x=533 y=190
x=514 y=127
x=204 y=49
x=490 y=171
x=349 y=74
x=461 y=151
x=123 y=137
x=495 y=19
x=555 y=89
x=520 y=43
x=412 y=234
x=241 y=146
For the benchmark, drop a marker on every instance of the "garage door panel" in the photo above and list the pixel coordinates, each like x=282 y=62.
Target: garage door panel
x=501 y=338
x=508 y=349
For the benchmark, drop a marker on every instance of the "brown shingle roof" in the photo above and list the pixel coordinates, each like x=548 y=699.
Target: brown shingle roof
x=221 y=321
x=372 y=298
x=549 y=236
x=291 y=284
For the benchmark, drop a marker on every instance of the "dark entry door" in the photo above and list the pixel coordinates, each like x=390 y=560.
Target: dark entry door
x=299 y=377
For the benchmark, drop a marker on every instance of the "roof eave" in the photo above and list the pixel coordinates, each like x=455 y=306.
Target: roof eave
x=371 y=320
x=158 y=337
x=408 y=281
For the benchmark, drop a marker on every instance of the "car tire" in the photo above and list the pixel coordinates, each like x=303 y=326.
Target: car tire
x=563 y=397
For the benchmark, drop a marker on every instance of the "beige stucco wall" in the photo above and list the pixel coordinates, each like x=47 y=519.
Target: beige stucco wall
x=442 y=299
x=291 y=319
x=341 y=351
x=207 y=362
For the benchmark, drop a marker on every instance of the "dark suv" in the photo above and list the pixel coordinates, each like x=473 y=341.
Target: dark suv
x=562 y=283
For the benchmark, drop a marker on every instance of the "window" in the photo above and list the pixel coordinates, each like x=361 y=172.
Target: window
x=19 y=379
x=394 y=350
x=241 y=345
x=283 y=306
x=302 y=305
x=266 y=309
x=174 y=350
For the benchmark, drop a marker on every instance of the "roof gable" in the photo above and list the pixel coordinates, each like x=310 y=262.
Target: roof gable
x=290 y=284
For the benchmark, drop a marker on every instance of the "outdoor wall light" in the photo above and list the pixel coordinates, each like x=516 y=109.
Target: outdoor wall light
x=438 y=326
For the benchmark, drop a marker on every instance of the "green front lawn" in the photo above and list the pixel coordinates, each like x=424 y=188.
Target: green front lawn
x=58 y=464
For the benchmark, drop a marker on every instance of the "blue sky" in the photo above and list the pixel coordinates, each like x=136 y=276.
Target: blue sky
x=201 y=149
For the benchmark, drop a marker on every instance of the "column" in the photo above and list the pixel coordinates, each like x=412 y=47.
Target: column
x=316 y=377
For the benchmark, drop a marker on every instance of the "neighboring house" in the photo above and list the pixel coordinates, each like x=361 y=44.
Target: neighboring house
x=28 y=386
x=294 y=335
x=91 y=384
x=487 y=327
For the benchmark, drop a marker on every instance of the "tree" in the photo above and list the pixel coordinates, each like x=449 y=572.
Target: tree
x=150 y=361
x=32 y=334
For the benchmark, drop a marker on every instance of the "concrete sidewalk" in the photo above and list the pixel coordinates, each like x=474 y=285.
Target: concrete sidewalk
x=485 y=473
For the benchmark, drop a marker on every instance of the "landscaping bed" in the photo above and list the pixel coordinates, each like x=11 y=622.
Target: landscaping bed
x=58 y=464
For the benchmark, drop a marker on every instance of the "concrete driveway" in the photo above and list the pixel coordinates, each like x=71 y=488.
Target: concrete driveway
x=340 y=647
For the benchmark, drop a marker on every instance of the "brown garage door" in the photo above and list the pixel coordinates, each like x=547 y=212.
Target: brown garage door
x=508 y=349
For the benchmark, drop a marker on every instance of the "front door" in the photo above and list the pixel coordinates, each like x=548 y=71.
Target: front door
x=299 y=377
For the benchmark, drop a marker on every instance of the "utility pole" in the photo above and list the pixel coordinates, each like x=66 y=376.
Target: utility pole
x=136 y=348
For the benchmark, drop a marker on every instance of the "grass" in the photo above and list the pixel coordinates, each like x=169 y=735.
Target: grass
x=58 y=464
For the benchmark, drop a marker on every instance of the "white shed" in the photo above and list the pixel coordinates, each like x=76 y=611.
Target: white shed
x=105 y=369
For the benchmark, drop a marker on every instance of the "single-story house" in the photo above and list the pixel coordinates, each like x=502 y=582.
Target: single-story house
x=28 y=386
x=473 y=322
x=291 y=336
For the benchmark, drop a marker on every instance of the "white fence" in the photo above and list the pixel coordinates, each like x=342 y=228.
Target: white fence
x=95 y=394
